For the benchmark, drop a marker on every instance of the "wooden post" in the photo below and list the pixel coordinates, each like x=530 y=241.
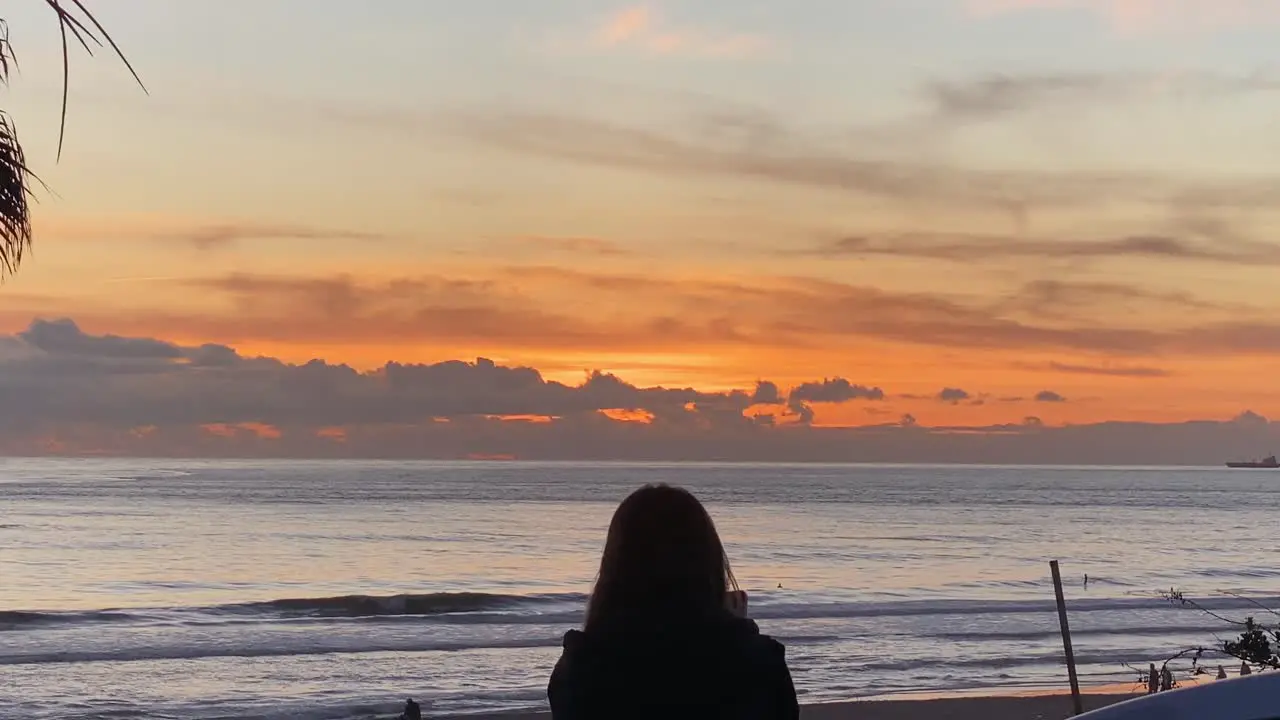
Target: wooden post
x=1066 y=638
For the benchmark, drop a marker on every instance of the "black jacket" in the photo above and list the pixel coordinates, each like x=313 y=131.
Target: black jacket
x=718 y=668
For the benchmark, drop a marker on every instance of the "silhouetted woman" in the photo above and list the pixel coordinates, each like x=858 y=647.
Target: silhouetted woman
x=659 y=641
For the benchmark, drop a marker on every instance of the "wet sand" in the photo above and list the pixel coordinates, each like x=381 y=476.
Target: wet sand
x=1032 y=707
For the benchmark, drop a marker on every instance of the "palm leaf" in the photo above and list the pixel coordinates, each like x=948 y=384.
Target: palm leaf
x=74 y=21
x=15 y=213
x=15 y=195
x=79 y=27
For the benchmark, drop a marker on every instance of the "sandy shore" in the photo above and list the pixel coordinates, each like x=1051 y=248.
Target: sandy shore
x=1041 y=707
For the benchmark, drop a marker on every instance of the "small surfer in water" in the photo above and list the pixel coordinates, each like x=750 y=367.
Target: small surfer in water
x=1086 y=581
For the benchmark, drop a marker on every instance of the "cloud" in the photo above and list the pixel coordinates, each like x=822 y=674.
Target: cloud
x=953 y=395
x=605 y=143
x=1146 y=16
x=219 y=236
x=986 y=97
x=831 y=390
x=1109 y=370
x=1249 y=418
x=205 y=236
x=797 y=158
x=1063 y=301
x=213 y=386
x=343 y=309
x=523 y=308
x=101 y=394
x=1057 y=295
x=834 y=390
x=63 y=338
x=642 y=27
x=208 y=236
x=626 y=25
x=800 y=412
x=1049 y=396
x=970 y=247
x=710 y=140
x=766 y=393
x=577 y=245
x=70 y=376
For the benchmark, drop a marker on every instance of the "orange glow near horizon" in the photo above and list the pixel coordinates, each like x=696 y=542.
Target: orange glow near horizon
x=1001 y=383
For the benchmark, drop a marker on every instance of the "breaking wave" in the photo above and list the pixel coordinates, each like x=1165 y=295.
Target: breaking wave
x=495 y=608
x=374 y=605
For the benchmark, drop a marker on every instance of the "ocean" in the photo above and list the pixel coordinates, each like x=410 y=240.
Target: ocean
x=334 y=590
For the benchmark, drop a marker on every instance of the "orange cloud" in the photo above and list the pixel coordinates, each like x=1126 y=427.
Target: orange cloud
x=1141 y=16
x=222 y=430
x=624 y=415
x=336 y=434
x=626 y=25
x=640 y=27
x=262 y=431
x=536 y=419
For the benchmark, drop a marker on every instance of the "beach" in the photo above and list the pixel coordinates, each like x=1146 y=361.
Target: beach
x=1031 y=707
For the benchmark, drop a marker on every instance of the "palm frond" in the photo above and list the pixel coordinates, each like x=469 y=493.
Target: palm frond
x=15 y=196
x=74 y=21
x=8 y=61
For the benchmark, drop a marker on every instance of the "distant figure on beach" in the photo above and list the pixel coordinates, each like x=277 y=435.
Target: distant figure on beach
x=659 y=639
x=1222 y=673
x=1153 y=680
x=1245 y=669
x=412 y=710
x=1166 y=679
x=1086 y=581
x=779 y=586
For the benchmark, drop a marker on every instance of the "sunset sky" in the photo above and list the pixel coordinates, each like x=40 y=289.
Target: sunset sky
x=983 y=210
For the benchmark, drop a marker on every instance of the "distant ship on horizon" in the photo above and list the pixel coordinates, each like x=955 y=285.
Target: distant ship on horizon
x=1269 y=463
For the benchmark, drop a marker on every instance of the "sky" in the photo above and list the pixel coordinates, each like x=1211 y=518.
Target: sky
x=790 y=223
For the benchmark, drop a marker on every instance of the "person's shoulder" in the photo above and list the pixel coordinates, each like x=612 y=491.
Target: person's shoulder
x=763 y=648
x=770 y=648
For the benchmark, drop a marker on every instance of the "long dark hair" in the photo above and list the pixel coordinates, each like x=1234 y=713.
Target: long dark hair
x=662 y=556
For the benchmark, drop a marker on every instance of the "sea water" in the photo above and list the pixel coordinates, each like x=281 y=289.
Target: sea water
x=215 y=589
